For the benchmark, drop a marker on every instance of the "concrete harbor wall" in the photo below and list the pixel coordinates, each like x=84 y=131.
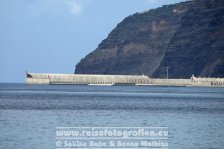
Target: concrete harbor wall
x=88 y=79
x=34 y=78
x=178 y=82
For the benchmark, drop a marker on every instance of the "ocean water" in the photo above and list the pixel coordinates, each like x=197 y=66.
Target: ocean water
x=29 y=114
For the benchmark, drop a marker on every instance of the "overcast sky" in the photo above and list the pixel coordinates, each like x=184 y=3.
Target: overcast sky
x=53 y=35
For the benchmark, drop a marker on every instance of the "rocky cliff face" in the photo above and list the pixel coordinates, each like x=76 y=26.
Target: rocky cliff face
x=187 y=37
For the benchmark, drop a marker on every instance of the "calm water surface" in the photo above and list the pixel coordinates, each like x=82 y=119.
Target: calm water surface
x=29 y=114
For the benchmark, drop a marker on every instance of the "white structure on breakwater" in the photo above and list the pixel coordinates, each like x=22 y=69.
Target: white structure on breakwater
x=94 y=79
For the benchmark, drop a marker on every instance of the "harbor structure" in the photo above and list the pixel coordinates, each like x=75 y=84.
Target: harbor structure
x=86 y=79
x=108 y=80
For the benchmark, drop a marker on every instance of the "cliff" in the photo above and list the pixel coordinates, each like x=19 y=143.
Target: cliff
x=187 y=37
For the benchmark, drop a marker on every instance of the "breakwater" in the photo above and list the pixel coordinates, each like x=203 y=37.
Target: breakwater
x=84 y=79
x=88 y=79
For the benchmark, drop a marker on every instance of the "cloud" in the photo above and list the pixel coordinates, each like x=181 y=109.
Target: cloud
x=164 y=2
x=75 y=7
x=151 y=1
x=52 y=7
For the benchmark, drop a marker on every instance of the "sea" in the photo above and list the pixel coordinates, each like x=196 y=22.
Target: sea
x=30 y=114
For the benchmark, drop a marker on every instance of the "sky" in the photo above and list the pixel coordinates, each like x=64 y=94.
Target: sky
x=52 y=36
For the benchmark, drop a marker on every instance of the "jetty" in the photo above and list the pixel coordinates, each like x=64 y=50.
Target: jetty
x=86 y=79
x=109 y=80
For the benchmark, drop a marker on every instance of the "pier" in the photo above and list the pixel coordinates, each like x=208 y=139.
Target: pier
x=108 y=80
x=84 y=79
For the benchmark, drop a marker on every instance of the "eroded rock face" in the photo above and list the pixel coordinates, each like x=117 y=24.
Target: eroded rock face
x=187 y=37
x=198 y=44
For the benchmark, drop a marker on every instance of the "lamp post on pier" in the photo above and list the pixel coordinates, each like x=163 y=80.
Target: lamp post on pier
x=167 y=72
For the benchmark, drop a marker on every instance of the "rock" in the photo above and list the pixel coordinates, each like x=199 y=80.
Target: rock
x=187 y=37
